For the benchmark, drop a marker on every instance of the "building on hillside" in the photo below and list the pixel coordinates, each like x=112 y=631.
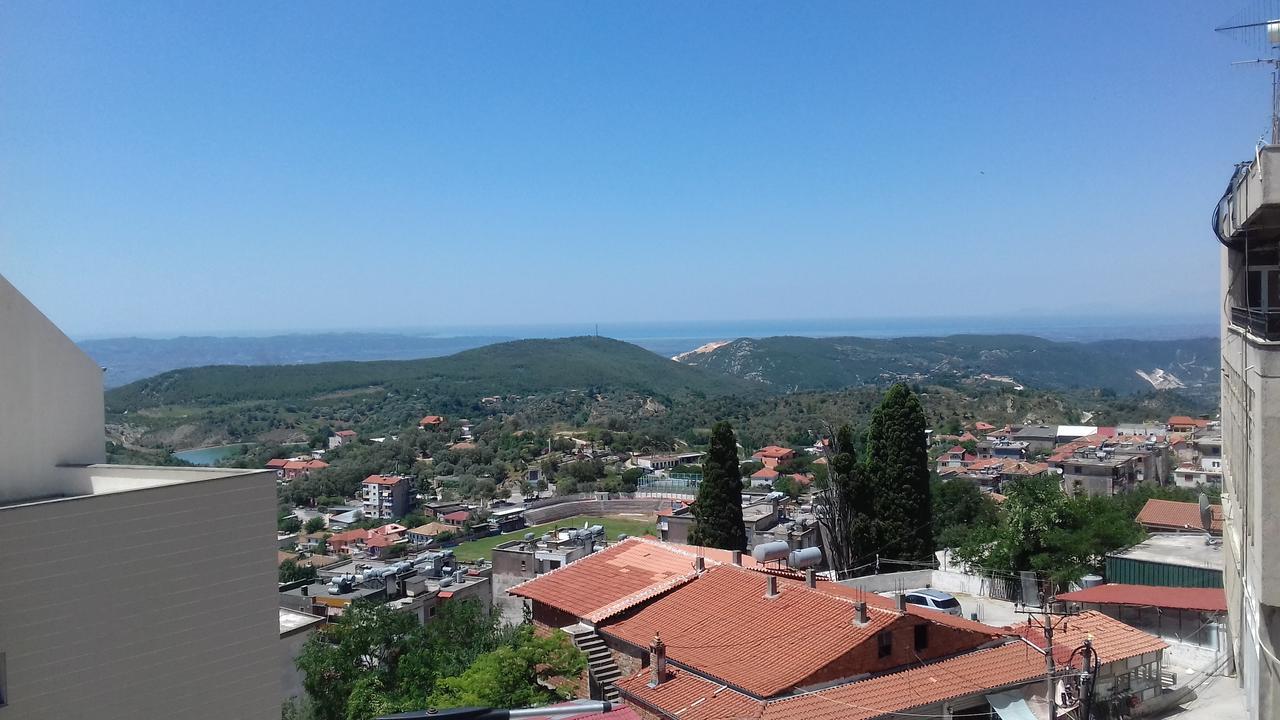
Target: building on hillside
x=1163 y=516
x=1002 y=449
x=1184 y=424
x=654 y=463
x=1168 y=560
x=771 y=455
x=299 y=467
x=1096 y=470
x=341 y=437
x=761 y=514
x=1069 y=433
x=385 y=496
x=102 y=613
x=1250 y=281
x=956 y=457
x=1194 y=477
x=431 y=422
x=1039 y=438
x=439 y=509
x=764 y=477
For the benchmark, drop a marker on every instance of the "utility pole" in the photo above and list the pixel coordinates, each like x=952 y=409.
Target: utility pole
x=1046 y=619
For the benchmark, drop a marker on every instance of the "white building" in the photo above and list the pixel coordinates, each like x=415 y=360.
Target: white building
x=126 y=592
x=1245 y=222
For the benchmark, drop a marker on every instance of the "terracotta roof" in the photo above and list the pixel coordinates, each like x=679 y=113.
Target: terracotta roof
x=612 y=580
x=346 y=433
x=983 y=426
x=432 y=528
x=1173 y=515
x=378 y=540
x=277 y=463
x=1112 y=639
x=764 y=473
x=431 y=420
x=967 y=674
x=316 y=464
x=457 y=516
x=690 y=697
x=773 y=451
x=723 y=625
x=967 y=436
x=958 y=449
x=295 y=465
x=384 y=480
x=1173 y=598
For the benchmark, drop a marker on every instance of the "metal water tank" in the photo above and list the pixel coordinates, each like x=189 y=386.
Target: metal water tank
x=805 y=558
x=1089 y=581
x=769 y=552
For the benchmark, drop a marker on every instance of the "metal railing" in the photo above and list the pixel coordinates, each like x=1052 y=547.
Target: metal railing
x=1264 y=324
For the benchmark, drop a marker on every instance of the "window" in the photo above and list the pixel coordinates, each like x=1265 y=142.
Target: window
x=922 y=636
x=884 y=644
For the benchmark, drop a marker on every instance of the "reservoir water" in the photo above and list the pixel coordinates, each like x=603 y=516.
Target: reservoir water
x=209 y=455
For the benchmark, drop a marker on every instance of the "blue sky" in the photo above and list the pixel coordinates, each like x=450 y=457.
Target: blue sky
x=221 y=167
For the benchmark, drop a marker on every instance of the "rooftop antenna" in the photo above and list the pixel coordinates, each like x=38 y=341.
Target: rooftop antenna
x=1263 y=30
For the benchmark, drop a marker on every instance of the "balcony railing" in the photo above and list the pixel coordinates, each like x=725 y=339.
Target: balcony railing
x=1264 y=324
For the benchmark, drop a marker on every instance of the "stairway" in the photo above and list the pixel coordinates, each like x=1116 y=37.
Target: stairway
x=604 y=671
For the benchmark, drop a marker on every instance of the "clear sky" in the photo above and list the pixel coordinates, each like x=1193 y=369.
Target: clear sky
x=244 y=166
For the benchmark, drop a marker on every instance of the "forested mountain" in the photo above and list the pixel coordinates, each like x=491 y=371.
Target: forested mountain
x=130 y=359
x=800 y=363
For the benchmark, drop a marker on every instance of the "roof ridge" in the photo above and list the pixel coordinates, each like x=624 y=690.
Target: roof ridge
x=565 y=566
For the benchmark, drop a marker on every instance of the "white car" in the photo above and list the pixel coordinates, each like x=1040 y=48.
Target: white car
x=935 y=600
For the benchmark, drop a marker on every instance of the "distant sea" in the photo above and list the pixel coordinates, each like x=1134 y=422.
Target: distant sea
x=672 y=338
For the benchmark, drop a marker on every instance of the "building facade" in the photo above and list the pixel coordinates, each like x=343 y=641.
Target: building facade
x=1245 y=222
x=103 y=612
x=385 y=497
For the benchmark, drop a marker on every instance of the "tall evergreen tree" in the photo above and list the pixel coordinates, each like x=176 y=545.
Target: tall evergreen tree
x=717 y=512
x=898 y=471
x=852 y=523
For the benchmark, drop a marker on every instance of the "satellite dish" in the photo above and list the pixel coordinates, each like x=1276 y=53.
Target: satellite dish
x=1206 y=514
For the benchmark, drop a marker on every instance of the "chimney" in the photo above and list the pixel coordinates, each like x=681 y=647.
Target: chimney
x=306 y=590
x=737 y=557
x=810 y=578
x=902 y=602
x=657 y=661
x=861 y=607
x=771 y=586
x=700 y=563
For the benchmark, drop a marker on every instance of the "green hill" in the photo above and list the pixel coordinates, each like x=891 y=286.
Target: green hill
x=519 y=367
x=797 y=363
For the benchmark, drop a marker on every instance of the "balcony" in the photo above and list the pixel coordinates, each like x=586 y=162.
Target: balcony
x=1250 y=207
x=1262 y=324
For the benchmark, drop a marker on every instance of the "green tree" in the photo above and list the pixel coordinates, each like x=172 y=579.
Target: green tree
x=291 y=571
x=960 y=508
x=898 y=467
x=515 y=676
x=718 y=510
x=315 y=525
x=850 y=517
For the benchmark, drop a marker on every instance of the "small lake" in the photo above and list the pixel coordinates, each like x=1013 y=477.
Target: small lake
x=209 y=455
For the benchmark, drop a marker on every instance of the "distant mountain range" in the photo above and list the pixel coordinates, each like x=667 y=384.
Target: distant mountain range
x=129 y=359
x=791 y=364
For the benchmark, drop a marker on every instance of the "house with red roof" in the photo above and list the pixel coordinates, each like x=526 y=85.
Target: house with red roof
x=456 y=518
x=956 y=457
x=385 y=497
x=1185 y=424
x=771 y=455
x=431 y=422
x=1161 y=516
x=724 y=637
x=300 y=467
x=341 y=437
x=764 y=477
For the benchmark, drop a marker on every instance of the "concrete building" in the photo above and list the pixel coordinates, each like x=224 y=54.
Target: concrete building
x=1096 y=470
x=295 y=628
x=1003 y=449
x=1245 y=222
x=385 y=496
x=1168 y=560
x=1039 y=438
x=103 y=612
x=653 y=463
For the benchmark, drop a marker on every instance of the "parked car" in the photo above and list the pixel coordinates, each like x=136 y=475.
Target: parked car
x=935 y=600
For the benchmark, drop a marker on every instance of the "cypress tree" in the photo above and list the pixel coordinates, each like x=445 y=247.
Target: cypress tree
x=898 y=470
x=717 y=512
x=853 y=491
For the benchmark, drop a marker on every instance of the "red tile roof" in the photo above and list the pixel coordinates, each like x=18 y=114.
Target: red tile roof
x=957 y=450
x=723 y=625
x=384 y=480
x=775 y=452
x=765 y=474
x=1174 y=598
x=1112 y=639
x=607 y=582
x=346 y=433
x=983 y=426
x=277 y=463
x=316 y=464
x=967 y=674
x=431 y=420
x=457 y=516
x=295 y=465
x=1173 y=515
x=689 y=697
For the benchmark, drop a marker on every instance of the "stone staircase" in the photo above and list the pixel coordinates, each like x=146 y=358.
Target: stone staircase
x=604 y=671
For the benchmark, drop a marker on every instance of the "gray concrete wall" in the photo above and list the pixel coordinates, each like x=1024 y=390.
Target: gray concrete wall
x=156 y=603
x=50 y=403
x=290 y=675
x=552 y=513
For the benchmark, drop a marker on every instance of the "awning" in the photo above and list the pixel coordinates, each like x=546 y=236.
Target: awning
x=1010 y=706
